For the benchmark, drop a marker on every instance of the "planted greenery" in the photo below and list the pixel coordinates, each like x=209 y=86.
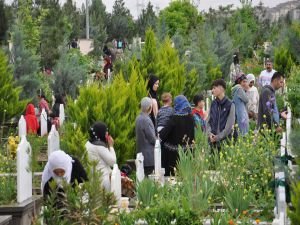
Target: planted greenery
x=293 y=96
x=117 y=105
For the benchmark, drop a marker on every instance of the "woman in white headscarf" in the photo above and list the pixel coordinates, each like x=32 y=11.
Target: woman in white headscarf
x=61 y=167
x=253 y=97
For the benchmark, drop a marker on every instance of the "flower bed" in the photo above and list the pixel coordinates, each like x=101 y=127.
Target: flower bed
x=238 y=180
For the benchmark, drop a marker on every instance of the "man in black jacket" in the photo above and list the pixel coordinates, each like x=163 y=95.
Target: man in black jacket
x=220 y=125
x=268 y=112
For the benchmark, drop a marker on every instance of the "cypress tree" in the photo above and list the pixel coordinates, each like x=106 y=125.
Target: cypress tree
x=149 y=54
x=10 y=104
x=170 y=71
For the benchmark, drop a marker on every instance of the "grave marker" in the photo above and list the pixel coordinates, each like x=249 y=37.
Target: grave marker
x=139 y=163
x=61 y=114
x=24 y=175
x=116 y=183
x=53 y=140
x=157 y=158
x=44 y=125
x=22 y=127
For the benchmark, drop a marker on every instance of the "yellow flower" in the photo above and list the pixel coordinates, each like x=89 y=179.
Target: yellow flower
x=257 y=221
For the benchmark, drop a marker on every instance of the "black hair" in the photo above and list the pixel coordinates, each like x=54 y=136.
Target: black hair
x=277 y=75
x=198 y=98
x=219 y=82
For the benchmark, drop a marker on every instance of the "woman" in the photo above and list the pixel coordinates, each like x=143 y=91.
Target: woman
x=253 y=97
x=153 y=84
x=43 y=103
x=145 y=135
x=32 y=123
x=55 y=110
x=100 y=150
x=240 y=100
x=60 y=168
x=178 y=132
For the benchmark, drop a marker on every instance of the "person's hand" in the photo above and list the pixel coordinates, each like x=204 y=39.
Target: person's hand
x=279 y=130
x=212 y=138
x=110 y=141
x=284 y=114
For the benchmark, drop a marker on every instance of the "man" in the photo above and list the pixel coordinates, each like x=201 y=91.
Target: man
x=268 y=112
x=221 y=116
x=266 y=75
x=145 y=135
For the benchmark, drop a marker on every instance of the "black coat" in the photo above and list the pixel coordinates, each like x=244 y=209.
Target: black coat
x=180 y=131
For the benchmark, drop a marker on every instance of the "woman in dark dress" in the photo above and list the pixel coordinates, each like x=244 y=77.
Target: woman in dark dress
x=60 y=168
x=178 y=132
x=153 y=84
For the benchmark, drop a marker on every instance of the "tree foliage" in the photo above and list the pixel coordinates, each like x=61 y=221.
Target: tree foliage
x=117 y=105
x=69 y=73
x=179 y=16
x=146 y=20
x=121 y=24
x=10 y=103
x=98 y=20
x=25 y=63
x=3 y=21
x=73 y=18
x=54 y=31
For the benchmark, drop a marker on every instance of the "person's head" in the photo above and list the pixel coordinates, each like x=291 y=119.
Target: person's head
x=242 y=80
x=40 y=94
x=146 y=105
x=60 y=164
x=182 y=105
x=98 y=132
x=269 y=65
x=218 y=88
x=166 y=98
x=153 y=83
x=277 y=80
x=59 y=99
x=30 y=109
x=251 y=79
x=199 y=101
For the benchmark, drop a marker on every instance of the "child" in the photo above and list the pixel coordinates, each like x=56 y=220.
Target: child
x=198 y=112
x=165 y=112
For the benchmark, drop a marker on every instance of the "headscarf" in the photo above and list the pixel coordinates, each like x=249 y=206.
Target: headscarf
x=151 y=82
x=240 y=78
x=182 y=106
x=250 y=77
x=57 y=160
x=97 y=133
x=32 y=124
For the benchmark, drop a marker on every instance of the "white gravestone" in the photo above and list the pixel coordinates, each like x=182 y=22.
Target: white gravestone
x=44 y=125
x=24 y=175
x=116 y=183
x=139 y=163
x=157 y=158
x=53 y=140
x=61 y=114
x=22 y=126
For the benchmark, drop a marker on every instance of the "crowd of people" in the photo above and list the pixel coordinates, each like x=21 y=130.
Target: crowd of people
x=175 y=123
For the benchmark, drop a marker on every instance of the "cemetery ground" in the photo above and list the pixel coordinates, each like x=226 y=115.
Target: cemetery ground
x=244 y=184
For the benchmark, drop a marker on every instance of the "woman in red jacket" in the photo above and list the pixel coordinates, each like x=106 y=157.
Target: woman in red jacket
x=32 y=123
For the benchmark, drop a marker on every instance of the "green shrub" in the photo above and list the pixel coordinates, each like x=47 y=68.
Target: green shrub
x=117 y=105
x=10 y=104
x=293 y=96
